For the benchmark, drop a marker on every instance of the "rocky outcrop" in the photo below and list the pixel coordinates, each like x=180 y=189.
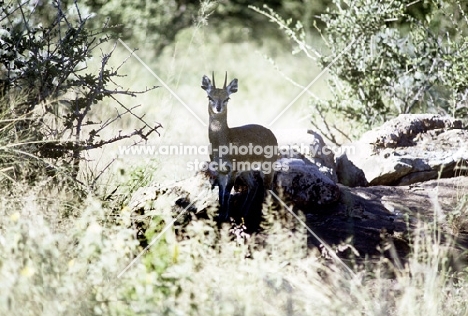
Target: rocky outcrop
x=308 y=146
x=300 y=183
x=377 y=219
x=180 y=202
x=404 y=130
x=406 y=150
x=304 y=184
x=195 y=191
x=380 y=220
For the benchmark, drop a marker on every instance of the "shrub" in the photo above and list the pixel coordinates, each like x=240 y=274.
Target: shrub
x=48 y=66
x=386 y=60
x=157 y=23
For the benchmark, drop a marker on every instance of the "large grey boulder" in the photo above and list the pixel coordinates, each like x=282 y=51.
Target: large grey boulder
x=304 y=184
x=383 y=220
x=408 y=149
x=308 y=146
x=300 y=182
x=376 y=220
x=404 y=130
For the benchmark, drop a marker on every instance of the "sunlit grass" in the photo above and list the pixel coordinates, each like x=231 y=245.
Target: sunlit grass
x=263 y=91
x=74 y=270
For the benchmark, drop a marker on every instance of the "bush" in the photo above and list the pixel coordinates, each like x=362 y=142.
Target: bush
x=157 y=23
x=154 y=22
x=48 y=66
x=386 y=60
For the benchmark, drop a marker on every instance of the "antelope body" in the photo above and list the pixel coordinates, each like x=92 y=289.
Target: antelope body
x=222 y=136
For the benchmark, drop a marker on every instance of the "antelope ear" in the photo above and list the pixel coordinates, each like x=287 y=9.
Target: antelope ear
x=206 y=84
x=232 y=87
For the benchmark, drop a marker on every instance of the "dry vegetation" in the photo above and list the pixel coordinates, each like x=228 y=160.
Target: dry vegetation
x=63 y=250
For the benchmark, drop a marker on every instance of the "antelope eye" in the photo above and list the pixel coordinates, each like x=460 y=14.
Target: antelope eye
x=210 y=98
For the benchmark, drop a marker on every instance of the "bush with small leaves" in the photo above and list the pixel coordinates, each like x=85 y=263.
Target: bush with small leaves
x=386 y=60
x=47 y=65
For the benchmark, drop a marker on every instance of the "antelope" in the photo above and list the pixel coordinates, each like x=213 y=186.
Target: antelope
x=233 y=164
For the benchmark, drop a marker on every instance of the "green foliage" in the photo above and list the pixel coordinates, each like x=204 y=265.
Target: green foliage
x=47 y=65
x=42 y=61
x=157 y=23
x=152 y=22
x=386 y=58
x=46 y=270
x=392 y=62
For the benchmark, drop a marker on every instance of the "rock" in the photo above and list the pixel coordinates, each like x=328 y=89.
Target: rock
x=387 y=217
x=401 y=131
x=181 y=200
x=304 y=184
x=195 y=190
x=308 y=146
x=409 y=149
x=375 y=221
x=348 y=174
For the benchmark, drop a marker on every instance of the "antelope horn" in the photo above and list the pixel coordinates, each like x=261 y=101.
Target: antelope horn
x=212 y=78
x=225 y=81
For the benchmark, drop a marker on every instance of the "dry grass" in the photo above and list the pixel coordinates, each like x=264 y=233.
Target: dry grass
x=61 y=255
